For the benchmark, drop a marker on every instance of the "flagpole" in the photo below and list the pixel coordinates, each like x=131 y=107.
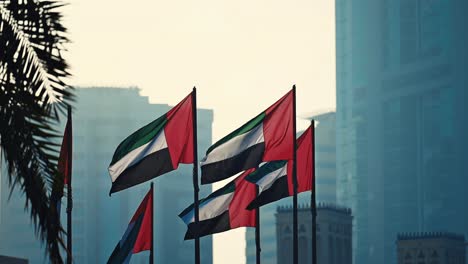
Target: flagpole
x=196 y=189
x=313 y=204
x=295 y=236
x=69 y=189
x=151 y=257
x=257 y=229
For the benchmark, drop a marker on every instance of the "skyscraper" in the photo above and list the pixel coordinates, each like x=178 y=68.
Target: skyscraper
x=326 y=189
x=325 y=156
x=401 y=122
x=17 y=236
x=102 y=118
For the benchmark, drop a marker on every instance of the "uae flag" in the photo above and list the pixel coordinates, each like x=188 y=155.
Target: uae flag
x=267 y=137
x=154 y=149
x=223 y=210
x=137 y=237
x=275 y=179
x=64 y=165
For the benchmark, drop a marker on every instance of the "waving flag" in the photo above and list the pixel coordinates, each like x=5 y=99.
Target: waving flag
x=267 y=137
x=275 y=178
x=223 y=210
x=64 y=165
x=154 y=149
x=137 y=237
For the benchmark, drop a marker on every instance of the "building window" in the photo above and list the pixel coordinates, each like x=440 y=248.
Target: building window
x=303 y=250
x=339 y=256
x=420 y=29
x=286 y=251
x=302 y=229
x=408 y=256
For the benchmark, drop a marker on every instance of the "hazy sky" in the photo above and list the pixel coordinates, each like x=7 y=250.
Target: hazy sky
x=242 y=55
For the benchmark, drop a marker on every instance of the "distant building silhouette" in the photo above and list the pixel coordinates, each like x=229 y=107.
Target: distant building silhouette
x=401 y=119
x=334 y=234
x=431 y=248
x=12 y=260
x=102 y=118
x=326 y=189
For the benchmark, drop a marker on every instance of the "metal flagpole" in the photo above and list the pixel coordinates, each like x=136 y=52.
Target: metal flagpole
x=69 y=188
x=151 y=260
x=257 y=231
x=196 y=189
x=295 y=236
x=313 y=204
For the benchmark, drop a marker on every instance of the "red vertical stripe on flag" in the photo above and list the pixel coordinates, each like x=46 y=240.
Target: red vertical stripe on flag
x=65 y=161
x=304 y=163
x=245 y=192
x=143 y=241
x=278 y=128
x=179 y=132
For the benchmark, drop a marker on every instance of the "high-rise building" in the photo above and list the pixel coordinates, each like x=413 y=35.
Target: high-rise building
x=17 y=235
x=334 y=234
x=325 y=156
x=326 y=190
x=102 y=118
x=401 y=119
x=430 y=247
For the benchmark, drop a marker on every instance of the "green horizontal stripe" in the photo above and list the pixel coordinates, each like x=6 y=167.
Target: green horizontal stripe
x=264 y=170
x=139 y=138
x=242 y=130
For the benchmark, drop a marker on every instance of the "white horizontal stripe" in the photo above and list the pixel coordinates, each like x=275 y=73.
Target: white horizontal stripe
x=134 y=156
x=267 y=181
x=211 y=208
x=235 y=146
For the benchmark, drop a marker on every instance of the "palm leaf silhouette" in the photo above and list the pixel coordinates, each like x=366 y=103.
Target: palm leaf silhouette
x=33 y=92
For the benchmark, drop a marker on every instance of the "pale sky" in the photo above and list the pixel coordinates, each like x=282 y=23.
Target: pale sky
x=241 y=55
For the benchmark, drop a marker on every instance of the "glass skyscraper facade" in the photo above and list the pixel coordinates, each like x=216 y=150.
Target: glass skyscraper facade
x=102 y=118
x=401 y=119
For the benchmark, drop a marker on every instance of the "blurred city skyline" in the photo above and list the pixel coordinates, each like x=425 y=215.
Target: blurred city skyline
x=242 y=56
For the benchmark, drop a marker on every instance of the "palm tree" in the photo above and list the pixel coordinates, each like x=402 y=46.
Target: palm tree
x=33 y=92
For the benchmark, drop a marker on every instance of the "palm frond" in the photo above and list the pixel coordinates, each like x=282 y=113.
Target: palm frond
x=33 y=91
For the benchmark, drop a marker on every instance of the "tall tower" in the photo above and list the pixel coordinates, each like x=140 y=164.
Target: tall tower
x=401 y=119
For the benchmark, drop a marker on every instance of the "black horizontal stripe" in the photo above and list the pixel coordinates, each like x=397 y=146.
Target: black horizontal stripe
x=217 y=171
x=278 y=190
x=214 y=225
x=150 y=167
x=125 y=248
